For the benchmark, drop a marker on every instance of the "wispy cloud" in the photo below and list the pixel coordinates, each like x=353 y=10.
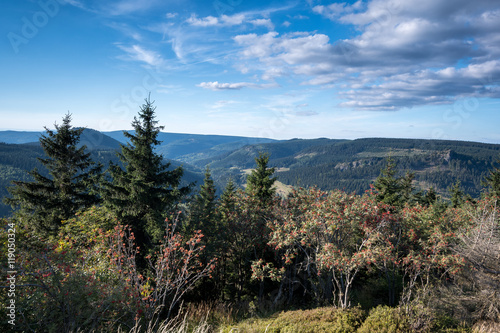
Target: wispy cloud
x=234 y=86
x=210 y=21
x=138 y=53
x=123 y=7
x=222 y=104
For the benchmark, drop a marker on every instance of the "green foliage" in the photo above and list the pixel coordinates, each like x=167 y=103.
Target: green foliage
x=398 y=191
x=384 y=319
x=332 y=320
x=311 y=248
x=71 y=186
x=457 y=195
x=259 y=182
x=145 y=190
x=493 y=181
x=202 y=208
x=92 y=282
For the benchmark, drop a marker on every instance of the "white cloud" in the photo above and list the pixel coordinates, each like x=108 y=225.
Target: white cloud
x=234 y=86
x=123 y=7
x=211 y=21
x=263 y=22
x=405 y=54
x=222 y=104
x=202 y=22
x=138 y=53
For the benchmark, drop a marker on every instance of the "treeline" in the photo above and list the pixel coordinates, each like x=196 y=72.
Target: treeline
x=98 y=249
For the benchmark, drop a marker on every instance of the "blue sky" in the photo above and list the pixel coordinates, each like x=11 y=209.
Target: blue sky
x=278 y=69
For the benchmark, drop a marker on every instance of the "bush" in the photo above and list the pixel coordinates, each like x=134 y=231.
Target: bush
x=327 y=319
x=384 y=319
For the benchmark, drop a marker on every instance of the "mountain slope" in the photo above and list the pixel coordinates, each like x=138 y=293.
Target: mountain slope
x=191 y=147
x=352 y=165
x=17 y=159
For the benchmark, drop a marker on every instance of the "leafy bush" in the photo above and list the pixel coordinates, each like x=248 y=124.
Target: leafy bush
x=384 y=319
x=327 y=319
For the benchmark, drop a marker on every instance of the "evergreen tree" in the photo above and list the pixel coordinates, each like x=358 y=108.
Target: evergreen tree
x=392 y=190
x=387 y=185
x=493 y=181
x=72 y=184
x=145 y=190
x=203 y=206
x=203 y=216
x=229 y=259
x=430 y=197
x=259 y=182
x=227 y=201
x=457 y=195
x=262 y=194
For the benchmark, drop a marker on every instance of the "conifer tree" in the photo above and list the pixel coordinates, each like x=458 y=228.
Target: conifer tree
x=493 y=181
x=392 y=190
x=203 y=207
x=144 y=191
x=457 y=195
x=387 y=185
x=72 y=184
x=202 y=210
x=261 y=192
x=259 y=182
x=227 y=201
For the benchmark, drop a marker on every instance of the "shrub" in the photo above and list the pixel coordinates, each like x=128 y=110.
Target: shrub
x=327 y=319
x=384 y=319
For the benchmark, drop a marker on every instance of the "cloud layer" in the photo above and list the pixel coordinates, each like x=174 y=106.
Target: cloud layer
x=405 y=54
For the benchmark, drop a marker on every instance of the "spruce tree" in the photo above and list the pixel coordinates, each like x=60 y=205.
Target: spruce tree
x=493 y=181
x=144 y=190
x=72 y=184
x=392 y=190
x=457 y=195
x=203 y=208
x=227 y=202
x=259 y=182
x=387 y=185
x=262 y=194
x=203 y=216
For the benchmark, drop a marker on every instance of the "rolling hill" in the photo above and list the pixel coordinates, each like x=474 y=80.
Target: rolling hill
x=21 y=155
x=351 y=165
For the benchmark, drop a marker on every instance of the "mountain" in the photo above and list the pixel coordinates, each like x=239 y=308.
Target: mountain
x=91 y=138
x=19 y=136
x=191 y=147
x=351 y=165
x=21 y=155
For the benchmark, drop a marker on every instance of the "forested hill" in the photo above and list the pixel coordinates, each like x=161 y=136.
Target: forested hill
x=21 y=156
x=350 y=165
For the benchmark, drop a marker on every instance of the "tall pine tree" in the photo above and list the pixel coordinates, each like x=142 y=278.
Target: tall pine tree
x=392 y=190
x=259 y=181
x=457 y=195
x=144 y=191
x=203 y=207
x=493 y=181
x=72 y=184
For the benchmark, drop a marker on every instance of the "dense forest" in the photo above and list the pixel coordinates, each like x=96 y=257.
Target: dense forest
x=100 y=243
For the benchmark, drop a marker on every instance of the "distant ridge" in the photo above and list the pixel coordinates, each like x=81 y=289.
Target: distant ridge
x=349 y=165
x=19 y=136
